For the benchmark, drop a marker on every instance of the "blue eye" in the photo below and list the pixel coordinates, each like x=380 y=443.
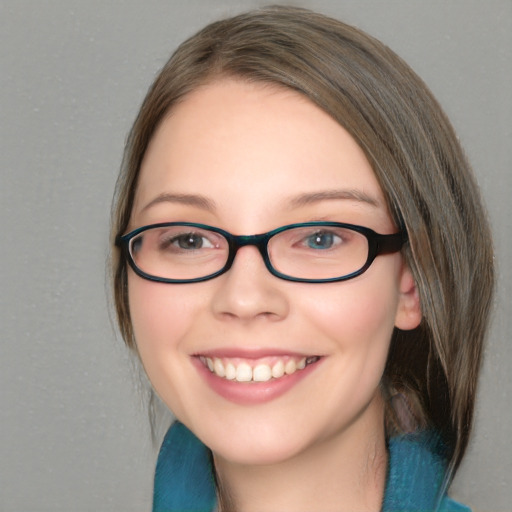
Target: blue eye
x=321 y=240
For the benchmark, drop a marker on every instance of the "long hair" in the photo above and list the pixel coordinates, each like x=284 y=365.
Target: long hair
x=420 y=165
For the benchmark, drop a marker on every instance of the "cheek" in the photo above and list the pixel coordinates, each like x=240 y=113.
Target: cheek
x=152 y=313
x=161 y=316
x=359 y=310
x=356 y=323
x=357 y=319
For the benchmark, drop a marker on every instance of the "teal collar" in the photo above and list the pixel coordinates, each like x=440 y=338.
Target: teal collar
x=184 y=478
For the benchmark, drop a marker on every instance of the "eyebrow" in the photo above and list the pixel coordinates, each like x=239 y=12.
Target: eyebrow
x=305 y=199
x=187 y=199
x=329 y=195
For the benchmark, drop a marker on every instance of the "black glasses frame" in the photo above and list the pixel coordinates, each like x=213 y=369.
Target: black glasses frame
x=377 y=244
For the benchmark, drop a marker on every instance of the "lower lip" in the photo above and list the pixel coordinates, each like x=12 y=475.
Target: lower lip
x=251 y=393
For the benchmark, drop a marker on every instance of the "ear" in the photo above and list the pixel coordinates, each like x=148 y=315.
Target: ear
x=408 y=314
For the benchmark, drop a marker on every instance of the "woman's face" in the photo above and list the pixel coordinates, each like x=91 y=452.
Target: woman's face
x=249 y=158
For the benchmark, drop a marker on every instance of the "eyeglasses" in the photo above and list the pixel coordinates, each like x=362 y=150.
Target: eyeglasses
x=309 y=252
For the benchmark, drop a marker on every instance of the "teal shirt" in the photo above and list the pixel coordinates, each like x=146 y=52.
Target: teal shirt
x=184 y=479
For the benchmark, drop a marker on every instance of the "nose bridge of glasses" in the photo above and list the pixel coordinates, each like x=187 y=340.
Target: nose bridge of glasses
x=259 y=241
x=239 y=241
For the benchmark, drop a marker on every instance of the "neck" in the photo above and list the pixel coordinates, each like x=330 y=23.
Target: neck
x=344 y=472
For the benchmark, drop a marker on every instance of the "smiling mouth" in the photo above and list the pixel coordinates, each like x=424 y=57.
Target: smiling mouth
x=234 y=369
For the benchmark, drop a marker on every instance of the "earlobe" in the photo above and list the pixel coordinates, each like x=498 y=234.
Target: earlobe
x=408 y=314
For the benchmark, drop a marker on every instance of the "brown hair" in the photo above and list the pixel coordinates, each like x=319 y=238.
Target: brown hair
x=408 y=140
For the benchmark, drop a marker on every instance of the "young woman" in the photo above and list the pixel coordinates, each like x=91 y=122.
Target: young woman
x=303 y=265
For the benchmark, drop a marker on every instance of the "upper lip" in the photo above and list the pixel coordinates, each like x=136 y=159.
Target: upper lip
x=259 y=353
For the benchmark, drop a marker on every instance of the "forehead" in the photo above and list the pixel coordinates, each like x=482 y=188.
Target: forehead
x=249 y=145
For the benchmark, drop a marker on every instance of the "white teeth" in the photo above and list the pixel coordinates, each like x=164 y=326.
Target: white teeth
x=262 y=373
x=218 y=367
x=290 y=367
x=243 y=372
x=230 y=371
x=278 y=370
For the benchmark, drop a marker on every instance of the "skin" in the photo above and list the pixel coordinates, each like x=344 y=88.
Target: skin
x=250 y=150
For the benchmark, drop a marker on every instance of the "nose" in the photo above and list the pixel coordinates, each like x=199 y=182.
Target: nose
x=248 y=291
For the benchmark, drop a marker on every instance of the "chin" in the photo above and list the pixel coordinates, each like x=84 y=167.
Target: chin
x=250 y=439
x=271 y=437
x=257 y=452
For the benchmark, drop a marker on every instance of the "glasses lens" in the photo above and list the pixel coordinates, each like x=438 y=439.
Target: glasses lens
x=318 y=252
x=179 y=252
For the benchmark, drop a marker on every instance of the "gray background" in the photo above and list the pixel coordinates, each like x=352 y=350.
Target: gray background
x=74 y=433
